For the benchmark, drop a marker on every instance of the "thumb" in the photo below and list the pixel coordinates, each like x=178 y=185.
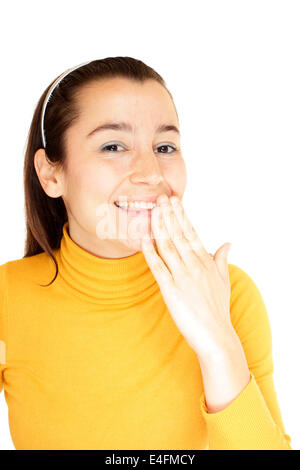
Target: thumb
x=221 y=259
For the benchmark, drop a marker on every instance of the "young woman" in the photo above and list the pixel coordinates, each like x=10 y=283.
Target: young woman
x=110 y=342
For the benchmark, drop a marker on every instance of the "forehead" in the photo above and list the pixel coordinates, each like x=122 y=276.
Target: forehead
x=123 y=98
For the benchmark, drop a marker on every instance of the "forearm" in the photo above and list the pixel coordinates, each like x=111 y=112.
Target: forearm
x=225 y=373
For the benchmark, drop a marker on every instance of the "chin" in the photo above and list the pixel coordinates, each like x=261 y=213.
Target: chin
x=135 y=245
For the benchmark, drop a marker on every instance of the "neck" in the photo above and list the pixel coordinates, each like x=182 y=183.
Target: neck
x=110 y=281
x=101 y=247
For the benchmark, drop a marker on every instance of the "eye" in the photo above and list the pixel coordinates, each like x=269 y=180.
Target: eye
x=165 y=146
x=111 y=144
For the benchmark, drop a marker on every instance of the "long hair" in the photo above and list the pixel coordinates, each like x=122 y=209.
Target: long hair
x=45 y=215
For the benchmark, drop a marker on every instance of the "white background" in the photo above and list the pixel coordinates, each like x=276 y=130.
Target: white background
x=233 y=70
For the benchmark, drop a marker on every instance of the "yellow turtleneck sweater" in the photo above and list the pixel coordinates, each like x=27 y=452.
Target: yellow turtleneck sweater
x=95 y=360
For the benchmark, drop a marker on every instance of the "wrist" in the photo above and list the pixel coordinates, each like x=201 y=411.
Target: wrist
x=221 y=346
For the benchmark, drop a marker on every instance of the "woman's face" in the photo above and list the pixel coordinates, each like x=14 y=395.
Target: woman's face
x=122 y=164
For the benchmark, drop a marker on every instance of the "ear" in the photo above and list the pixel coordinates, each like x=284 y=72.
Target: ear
x=48 y=173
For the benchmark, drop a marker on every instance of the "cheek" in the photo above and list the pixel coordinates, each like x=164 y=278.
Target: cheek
x=93 y=183
x=176 y=177
x=88 y=188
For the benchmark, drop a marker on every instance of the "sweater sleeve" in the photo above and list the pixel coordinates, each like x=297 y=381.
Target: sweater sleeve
x=2 y=325
x=253 y=419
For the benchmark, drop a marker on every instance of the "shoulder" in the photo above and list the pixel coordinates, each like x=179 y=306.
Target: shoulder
x=242 y=283
x=246 y=301
x=24 y=271
x=2 y=284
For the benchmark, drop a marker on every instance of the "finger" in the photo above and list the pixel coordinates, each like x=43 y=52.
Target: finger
x=188 y=230
x=165 y=246
x=156 y=264
x=183 y=246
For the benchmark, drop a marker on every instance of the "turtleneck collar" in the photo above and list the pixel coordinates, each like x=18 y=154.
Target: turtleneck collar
x=110 y=281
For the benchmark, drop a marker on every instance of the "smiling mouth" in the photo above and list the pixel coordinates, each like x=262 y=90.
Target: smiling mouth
x=134 y=210
x=135 y=206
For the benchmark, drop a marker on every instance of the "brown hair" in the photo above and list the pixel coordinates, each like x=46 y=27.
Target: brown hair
x=45 y=216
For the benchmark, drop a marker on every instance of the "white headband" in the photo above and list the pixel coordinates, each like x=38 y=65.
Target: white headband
x=57 y=81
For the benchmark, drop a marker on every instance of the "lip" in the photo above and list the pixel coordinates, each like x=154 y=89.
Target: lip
x=139 y=198
x=133 y=211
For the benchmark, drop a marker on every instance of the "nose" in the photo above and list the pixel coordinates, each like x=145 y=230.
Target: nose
x=146 y=169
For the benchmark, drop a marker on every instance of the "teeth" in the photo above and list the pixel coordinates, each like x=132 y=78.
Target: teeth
x=136 y=205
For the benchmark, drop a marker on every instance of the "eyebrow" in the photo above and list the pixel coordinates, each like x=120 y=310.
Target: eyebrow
x=124 y=126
